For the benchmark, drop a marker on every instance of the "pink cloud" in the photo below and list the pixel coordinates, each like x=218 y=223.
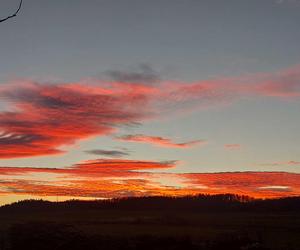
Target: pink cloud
x=285 y=83
x=160 y=141
x=44 y=117
x=41 y=118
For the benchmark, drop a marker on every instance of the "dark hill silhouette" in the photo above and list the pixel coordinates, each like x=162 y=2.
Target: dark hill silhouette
x=203 y=222
x=201 y=203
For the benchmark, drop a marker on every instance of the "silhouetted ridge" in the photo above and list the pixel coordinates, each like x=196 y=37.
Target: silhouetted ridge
x=222 y=203
x=204 y=222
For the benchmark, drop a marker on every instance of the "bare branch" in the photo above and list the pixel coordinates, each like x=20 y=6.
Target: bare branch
x=13 y=15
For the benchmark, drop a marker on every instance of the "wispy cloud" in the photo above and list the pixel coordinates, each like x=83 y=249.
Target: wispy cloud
x=276 y=188
x=282 y=163
x=109 y=153
x=160 y=141
x=143 y=74
x=283 y=84
x=95 y=168
x=41 y=118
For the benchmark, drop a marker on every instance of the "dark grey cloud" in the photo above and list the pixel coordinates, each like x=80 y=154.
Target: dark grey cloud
x=16 y=139
x=144 y=73
x=109 y=153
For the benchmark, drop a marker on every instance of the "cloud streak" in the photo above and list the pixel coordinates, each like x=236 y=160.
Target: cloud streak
x=145 y=74
x=159 y=141
x=94 y=168
x=108 y=153
x=283 y=163
x=232 y=146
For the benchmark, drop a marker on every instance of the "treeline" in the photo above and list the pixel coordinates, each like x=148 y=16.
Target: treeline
x=205 y=203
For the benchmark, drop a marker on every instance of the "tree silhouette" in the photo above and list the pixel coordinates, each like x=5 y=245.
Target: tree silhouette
x=14 y=14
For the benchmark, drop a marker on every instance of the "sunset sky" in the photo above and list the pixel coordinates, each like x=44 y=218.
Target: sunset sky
x=116 y=98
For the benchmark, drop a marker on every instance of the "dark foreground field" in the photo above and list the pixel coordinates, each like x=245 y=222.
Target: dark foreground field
x=203 y=222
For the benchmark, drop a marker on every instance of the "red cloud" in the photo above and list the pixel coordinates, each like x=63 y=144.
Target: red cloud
x=160 y=141
x=97 y=178
x=93 y=189
x=115 y=168
x=43 y=117
x=119 y=178
x=95 y=168
x=46 y=117
x=256 y=184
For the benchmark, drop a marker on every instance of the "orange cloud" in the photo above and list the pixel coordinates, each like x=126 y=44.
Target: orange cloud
x=95 y=168
x=255 y=184
x=97 y=178
x=160 y=141
x=115 y=168
x=120 y=178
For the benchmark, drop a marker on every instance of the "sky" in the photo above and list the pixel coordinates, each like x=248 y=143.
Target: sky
x=108 y=98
